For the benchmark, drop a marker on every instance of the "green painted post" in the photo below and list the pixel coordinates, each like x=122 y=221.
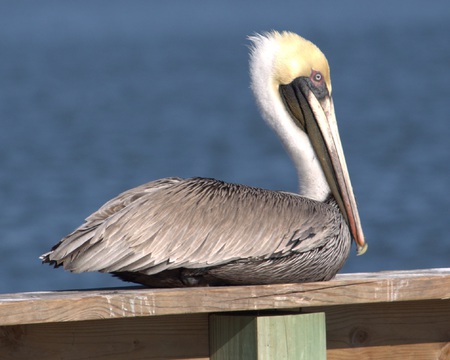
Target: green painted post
x=268 y=337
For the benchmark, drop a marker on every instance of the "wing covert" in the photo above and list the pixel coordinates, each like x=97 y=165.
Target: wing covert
x=192 y=223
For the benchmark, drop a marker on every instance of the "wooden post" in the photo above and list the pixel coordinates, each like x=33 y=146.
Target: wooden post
x=283 y=337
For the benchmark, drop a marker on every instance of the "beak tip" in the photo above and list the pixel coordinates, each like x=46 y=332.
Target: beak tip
x=361 y=249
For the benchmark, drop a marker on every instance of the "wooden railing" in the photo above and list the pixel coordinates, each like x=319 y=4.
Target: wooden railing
x=387 y=315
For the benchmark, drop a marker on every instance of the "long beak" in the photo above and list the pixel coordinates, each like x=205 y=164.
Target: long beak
x=318 y=120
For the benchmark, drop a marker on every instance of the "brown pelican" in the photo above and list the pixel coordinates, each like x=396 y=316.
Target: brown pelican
x=191 y=232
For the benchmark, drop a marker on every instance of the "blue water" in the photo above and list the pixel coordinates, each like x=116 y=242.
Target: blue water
x=97 y=97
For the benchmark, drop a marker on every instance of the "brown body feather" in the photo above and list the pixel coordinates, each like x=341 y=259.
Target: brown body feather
x=187 y=232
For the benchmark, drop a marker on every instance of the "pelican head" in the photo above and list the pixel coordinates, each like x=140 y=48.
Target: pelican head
x=291 y=82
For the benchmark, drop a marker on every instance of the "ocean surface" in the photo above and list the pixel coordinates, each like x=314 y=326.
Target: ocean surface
x=98 y=97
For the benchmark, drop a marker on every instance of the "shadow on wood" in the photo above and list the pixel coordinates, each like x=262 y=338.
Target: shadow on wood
x=162 y=337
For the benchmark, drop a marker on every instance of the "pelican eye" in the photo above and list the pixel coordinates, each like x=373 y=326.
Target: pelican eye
x=316 y=77
x=317 y=84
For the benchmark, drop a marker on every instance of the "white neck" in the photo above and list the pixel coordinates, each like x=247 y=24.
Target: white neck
x=312 y=182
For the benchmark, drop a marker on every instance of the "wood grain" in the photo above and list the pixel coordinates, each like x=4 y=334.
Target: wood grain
x=399 y=330
x=393 y=315
x=164 y=337
x=43 y=307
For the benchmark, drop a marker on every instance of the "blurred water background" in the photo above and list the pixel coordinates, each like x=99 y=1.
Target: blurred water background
x=98 y=97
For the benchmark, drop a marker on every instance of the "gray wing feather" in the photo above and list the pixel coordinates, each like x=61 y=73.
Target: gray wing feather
x=192 y=223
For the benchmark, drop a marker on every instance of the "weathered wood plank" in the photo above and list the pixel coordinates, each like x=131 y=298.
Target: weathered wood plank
x=41 y=307
x=418 y=330
x=402 y=330
x=267 y=337
x=163 y=337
